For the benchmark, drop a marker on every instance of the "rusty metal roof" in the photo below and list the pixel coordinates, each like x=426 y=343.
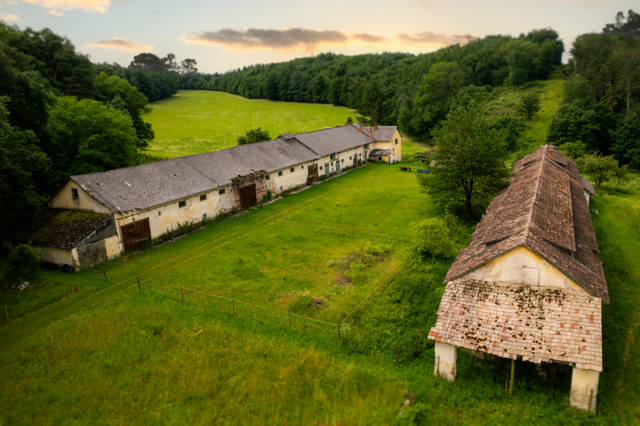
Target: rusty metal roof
x=512 y=320
x=543 y=209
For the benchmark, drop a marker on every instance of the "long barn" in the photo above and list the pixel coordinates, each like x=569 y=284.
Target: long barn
x=121 y=210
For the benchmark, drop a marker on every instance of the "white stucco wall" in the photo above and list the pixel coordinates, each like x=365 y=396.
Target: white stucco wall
x=445 y=361
x=584 y=389
x=289 y=179
x=522 y=266
x=58 y=256
x=64 y=199
x=167 y=217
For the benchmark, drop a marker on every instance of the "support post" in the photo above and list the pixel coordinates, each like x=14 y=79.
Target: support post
x=584 y=389
x=513 y=375
x=445 y=365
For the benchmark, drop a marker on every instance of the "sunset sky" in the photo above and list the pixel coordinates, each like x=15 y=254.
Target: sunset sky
x=225 y=35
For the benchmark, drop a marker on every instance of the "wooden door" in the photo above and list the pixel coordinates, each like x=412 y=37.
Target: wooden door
x=248 y=196
x=136 y=235
x=313 y=173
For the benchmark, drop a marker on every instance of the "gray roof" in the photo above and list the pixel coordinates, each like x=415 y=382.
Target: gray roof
x=333 y=139
x=148 y=185
x=379 y=133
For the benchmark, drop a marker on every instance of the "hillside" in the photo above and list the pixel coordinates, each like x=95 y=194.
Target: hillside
x=195 y=122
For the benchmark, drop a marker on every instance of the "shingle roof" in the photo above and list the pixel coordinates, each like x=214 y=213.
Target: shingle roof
x=333 y=139
x=59 y=227
x=512 y=320
x=152 y=184
x=544 y=210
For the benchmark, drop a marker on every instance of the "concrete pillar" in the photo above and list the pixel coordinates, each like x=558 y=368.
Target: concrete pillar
x=445 y=365
x=584 y=389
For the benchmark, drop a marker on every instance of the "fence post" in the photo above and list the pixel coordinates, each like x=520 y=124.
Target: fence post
x=396 y=354
x=104 y=271
x=138 y=278
x=233 y=305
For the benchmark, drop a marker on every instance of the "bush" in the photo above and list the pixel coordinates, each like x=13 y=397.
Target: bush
x=435 y=239
x=23 y=265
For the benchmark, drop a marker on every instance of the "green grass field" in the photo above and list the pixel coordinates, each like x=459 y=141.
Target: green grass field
x=195 y=122
x=103 y=351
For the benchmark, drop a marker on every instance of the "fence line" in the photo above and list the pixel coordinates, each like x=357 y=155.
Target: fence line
x=392 y=273
x=349 y=229
x=234 y=307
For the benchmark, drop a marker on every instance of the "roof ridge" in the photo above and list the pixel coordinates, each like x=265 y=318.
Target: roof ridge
x=536 y=192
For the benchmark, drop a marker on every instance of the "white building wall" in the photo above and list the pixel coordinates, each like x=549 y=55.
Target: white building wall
x=64 y=199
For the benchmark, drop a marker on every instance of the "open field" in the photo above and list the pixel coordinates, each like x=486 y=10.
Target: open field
x=195 y=122
x=105 y=352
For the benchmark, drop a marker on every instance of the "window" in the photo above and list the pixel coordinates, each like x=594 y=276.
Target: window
x=366 y=146
x=182 y=204
x=343 y=160
x=320 y=167
x=221 y=191
x=267 y=177
x=349 y=158
x=159 y=213
x=302 y=167
x=396 y=141
x=203 y=197
x=291 y=170
x=74 y=193
x=333 y=156
x=280 y=173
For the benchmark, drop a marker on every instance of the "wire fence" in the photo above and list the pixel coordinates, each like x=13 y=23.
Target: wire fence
x=232 y=305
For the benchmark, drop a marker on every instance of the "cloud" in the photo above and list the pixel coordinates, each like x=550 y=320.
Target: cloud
x=55 y=13
x=434 y=38
x=117 y=43
x=308 y=39
x=9 y=17
x=278 y=39
x=100 y=6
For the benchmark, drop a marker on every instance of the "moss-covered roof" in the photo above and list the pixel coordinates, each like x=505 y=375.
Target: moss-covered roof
x=59 y=228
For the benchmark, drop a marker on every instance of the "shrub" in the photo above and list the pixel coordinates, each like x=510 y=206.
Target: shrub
x=435 y=238
x=23 y=265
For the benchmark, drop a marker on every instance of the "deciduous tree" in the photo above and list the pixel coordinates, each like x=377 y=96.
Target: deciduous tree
x=253 y=136
x=468 y=164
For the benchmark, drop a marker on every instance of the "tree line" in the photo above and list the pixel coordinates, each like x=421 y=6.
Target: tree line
x=412 y=91
x=62 y=115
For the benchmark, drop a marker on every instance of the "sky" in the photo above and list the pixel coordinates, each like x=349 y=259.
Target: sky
x=227 y=35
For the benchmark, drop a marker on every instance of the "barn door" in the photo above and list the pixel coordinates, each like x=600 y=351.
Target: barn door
x=248 y=196
x=136 y=235
x=313 y=173
x=337 y=166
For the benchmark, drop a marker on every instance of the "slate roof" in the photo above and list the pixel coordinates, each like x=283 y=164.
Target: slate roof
x=333 y=139
x=152 y=184
x=543 y=209
x=59 y=228
x=512 y=320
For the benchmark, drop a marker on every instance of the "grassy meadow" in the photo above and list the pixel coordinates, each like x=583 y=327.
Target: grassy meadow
x=199 y=121
x=81 y=349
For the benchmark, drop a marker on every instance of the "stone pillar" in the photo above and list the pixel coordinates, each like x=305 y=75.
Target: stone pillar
x=584 y=389
x=445 y=363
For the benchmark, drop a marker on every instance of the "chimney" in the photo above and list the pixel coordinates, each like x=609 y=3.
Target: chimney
x=375 y=127
x=371 y=134
x=361 y=130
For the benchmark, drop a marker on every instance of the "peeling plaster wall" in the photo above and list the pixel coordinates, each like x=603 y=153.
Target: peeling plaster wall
x=522 y=266
x=64 y=199
x=289 y=179
x=112 y=247
x=169 y=216
x=396 y=149
x=57 y=256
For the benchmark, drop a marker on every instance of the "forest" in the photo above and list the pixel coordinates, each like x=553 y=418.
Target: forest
x=61 y=114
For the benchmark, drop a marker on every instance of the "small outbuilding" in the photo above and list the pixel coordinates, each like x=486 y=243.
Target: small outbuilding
x=529 y=286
